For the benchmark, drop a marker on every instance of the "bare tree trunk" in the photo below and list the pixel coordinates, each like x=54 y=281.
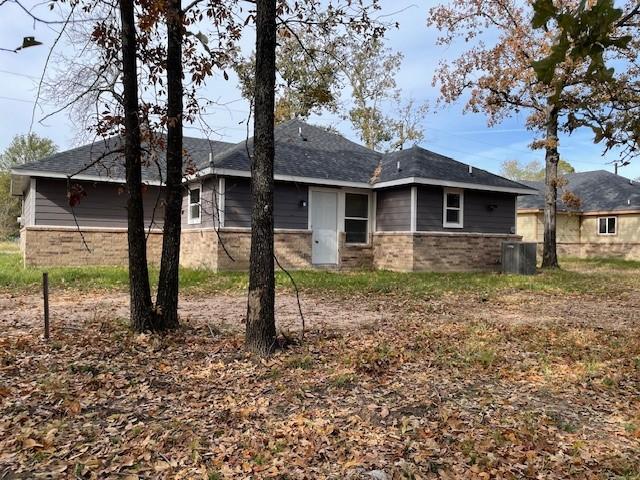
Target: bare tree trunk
x=549 y=253
x=168 y=283
x=141 y=313
x=260 y=334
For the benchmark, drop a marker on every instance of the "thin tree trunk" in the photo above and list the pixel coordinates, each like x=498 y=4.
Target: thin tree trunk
x=549 y=252
x=260 y=334
x=168 y=283
x=141 y=313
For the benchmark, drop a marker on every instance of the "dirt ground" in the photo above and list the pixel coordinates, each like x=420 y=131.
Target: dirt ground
x=225 y=312
x=514 y=385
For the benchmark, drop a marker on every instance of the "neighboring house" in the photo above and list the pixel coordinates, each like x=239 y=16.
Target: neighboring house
x=337 y=204
x=606 y=224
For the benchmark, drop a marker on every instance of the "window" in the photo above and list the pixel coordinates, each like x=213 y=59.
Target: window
x=607 y=225
x=356 y=218
x=194 y=204
x=453 y=208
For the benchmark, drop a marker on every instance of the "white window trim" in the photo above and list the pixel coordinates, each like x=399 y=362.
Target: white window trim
x=413 y=227
x=446 y=224
x=343 y=209
x=191 y=220
x=32 y=199
x=220 y=202
x=607 y=234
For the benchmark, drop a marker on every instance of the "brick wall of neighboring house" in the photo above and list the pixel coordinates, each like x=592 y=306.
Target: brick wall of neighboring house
x=627 y=251
x=49 y=246
x=292 y=247
x=577 y=235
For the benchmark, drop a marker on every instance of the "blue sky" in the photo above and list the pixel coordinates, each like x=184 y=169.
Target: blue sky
x=448 y=131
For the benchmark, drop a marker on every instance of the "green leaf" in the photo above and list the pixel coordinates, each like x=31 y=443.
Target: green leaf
x=544 y=10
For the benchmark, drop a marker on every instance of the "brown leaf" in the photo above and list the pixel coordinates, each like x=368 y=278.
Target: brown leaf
x=31 y=443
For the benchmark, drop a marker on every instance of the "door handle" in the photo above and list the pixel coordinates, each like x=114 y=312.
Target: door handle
x=316 y=241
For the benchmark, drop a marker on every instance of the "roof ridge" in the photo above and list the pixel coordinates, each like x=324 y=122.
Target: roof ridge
x=425 y=151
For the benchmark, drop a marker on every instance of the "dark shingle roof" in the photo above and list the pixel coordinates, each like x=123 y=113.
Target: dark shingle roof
x=95 y=160
x=419 y=162
x=598 y=190
x=305 y=150
x=301 y=150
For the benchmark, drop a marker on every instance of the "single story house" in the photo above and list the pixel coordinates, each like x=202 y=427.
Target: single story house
x=337 y=204
x=605 y=224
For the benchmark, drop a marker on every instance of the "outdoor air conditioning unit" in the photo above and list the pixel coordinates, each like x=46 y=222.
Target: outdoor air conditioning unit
x=519 y=258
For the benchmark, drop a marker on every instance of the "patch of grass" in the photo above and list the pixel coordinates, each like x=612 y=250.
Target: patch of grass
x=479 y=355
x=343 y=380
x=562 y=423
x=581 y=276
x=304 y=362
x=603 y=262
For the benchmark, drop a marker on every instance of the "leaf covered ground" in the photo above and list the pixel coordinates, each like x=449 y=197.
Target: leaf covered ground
x=388 y=385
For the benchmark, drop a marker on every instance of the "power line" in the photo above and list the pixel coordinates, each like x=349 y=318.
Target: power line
x=19 y=74
x=16 y=99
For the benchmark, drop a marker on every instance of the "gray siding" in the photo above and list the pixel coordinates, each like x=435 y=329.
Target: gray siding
x=237 y=203
x=104 y=206
x=208 y=204
x=27 y=207
x=393 y=210
x=477 y=215
x=288 y=213
x=287 y=209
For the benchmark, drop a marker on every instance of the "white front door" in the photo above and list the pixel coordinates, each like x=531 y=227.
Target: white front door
x=324 y=227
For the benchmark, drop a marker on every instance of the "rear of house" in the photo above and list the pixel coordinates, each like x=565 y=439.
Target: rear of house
x=337 y=205
x=605 y=224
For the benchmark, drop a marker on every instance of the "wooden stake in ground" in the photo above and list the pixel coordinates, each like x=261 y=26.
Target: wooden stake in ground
x=45 y=294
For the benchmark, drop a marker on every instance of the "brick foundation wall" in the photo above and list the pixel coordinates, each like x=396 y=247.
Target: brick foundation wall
x=393 y=251
x=292 y=247
x=355 y=257
x=199 y=249
x=400 y=251
x=457 y=252
x=63 y=246
x=438 y=252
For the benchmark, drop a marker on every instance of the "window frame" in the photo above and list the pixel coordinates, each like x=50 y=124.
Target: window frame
x=367 y=219
x=460 y=209
x=190 y=219
x=606 y=223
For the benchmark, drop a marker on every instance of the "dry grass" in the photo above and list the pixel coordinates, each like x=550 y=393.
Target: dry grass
x=517 y=384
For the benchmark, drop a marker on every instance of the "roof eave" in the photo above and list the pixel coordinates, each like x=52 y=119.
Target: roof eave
x=453 y=184
x=79 y=177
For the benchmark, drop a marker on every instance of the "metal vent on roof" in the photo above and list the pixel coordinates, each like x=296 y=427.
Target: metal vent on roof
x=304 y=139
